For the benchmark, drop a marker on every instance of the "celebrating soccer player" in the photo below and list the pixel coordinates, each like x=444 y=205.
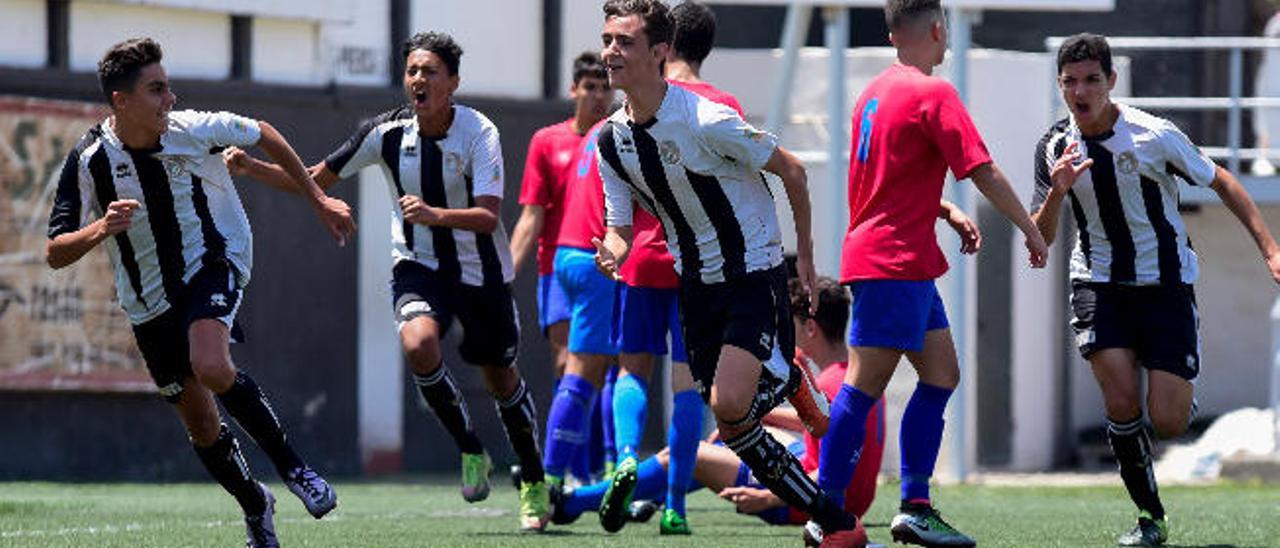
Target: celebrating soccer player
x=443 y=162
x=180 y=244
x=909 y=128
x=1132 y=267
x=695 y=165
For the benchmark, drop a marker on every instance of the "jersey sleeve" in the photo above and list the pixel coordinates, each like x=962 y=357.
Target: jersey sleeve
x=1042 y=162
x=949 y=126
x=732 y=137
x=362 y=149
x=1185 y=159
x=223 y=129
x=486 y=163
x=617 y=195
x=534 y=185
x=71 y=202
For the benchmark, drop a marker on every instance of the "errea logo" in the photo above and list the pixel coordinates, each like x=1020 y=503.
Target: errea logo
x=219 y=300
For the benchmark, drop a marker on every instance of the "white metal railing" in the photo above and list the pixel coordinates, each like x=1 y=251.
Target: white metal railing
x=1234 y=104
x=1275 y=374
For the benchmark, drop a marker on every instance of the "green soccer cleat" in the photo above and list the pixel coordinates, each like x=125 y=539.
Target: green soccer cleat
x=1147 y=532
x=920 y=524
x=613 y=509
x=535 y=507
x=475 y=476
x=673 y=524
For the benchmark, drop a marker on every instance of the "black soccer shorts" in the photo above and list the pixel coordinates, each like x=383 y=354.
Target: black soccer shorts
x=1159 y=323
x=490 y=325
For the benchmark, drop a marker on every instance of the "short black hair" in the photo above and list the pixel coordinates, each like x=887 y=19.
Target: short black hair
x=438 y=43
x=899 y=14
x=658 y=27
x=588 y=64
x=695 y=31
x=121 y=66
x=1085 y=47
x=833 y=306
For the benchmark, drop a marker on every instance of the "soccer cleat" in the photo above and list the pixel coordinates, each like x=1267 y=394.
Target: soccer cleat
x=475 y=476
x=1147 y=532
x=535 y=507
x=921 y=524
x=260 y=530
x=613 y=509
x=810 y=403
x=812 y=534
x=641 y=511
x=314 y=492
x=673 y=524
x=848 y=538
x=559 y=515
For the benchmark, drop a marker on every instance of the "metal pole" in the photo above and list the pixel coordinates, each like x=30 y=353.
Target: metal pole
x=1275 y=374
x=837 y=40
x=961 y=20
x=1233 y=115
x=793 y=32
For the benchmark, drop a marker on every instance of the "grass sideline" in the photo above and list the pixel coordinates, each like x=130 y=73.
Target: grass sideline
x=431 y=513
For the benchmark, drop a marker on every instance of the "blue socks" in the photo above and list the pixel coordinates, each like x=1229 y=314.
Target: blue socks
x=583 y=465
x=606 y=418
x=841 y=447
x=682 y=439
x=630 y=405
x=920 y=438
x=567 y=423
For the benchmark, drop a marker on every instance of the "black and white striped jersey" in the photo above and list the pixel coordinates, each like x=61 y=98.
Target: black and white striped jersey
x=1126 y=205
x=449 y=172
x=695 y=166
x=190 y=214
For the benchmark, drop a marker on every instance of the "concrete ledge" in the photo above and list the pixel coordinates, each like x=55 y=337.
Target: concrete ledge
x=1252 y=468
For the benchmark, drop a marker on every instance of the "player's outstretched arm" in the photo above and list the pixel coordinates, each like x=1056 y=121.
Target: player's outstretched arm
x=334 y=213
x=1241 y=205
x=796 y=183
x=525 y=235
x=67 y=248
x=613 y=250
x=992 y=183
x=959 y=221
x=242 y=164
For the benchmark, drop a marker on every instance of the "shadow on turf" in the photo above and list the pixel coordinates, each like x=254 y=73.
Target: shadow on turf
x=1210 y=546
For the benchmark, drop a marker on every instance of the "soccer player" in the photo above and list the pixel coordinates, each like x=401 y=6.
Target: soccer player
x=695 y=165
x=1132 y=267
x=546 y=170
x=181 y=248
x=648 y=308
x=443 y=162
x=909 y=128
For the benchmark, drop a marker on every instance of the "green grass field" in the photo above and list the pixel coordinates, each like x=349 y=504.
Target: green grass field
x=423 y=513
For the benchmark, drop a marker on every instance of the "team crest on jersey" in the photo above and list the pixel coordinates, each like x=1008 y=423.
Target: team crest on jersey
x=453 y=162
x=122 y=171
x=753 y=134
x=1127 y=162
x=174 y=167
x=669 y=152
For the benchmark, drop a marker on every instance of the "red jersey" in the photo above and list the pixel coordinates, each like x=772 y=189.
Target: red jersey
x=862 y=485
x=583 y=196
x=908 y=129
x=546 y=169
x=649 y=264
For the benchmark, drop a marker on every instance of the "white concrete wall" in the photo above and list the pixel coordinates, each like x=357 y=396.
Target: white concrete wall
x=22 y=24
x=287 y=51
x=356 y=51
x=380 y=389
x=501 y=42
x=196 y=44
x=580 y=23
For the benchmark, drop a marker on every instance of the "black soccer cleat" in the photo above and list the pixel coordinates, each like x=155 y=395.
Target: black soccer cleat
x=260 y=530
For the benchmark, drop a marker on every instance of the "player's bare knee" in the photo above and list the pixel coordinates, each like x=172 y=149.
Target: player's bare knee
x=423 y=354
x=1168 y=424
x=729 y=409
x=214 y=371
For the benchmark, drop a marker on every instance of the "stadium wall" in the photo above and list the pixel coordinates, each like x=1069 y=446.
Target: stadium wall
x=300 y=312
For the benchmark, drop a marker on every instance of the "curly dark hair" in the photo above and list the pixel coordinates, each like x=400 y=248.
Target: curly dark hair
x=438 y=43
x=899 y=14
x=695 y=31
x=588 y=64
x=121 y=66
x=658 y=26
x=833 y=306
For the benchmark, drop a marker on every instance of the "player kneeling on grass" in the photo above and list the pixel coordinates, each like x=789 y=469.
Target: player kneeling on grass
x=443 y=163
x=180 y=245
x=1132 y=269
